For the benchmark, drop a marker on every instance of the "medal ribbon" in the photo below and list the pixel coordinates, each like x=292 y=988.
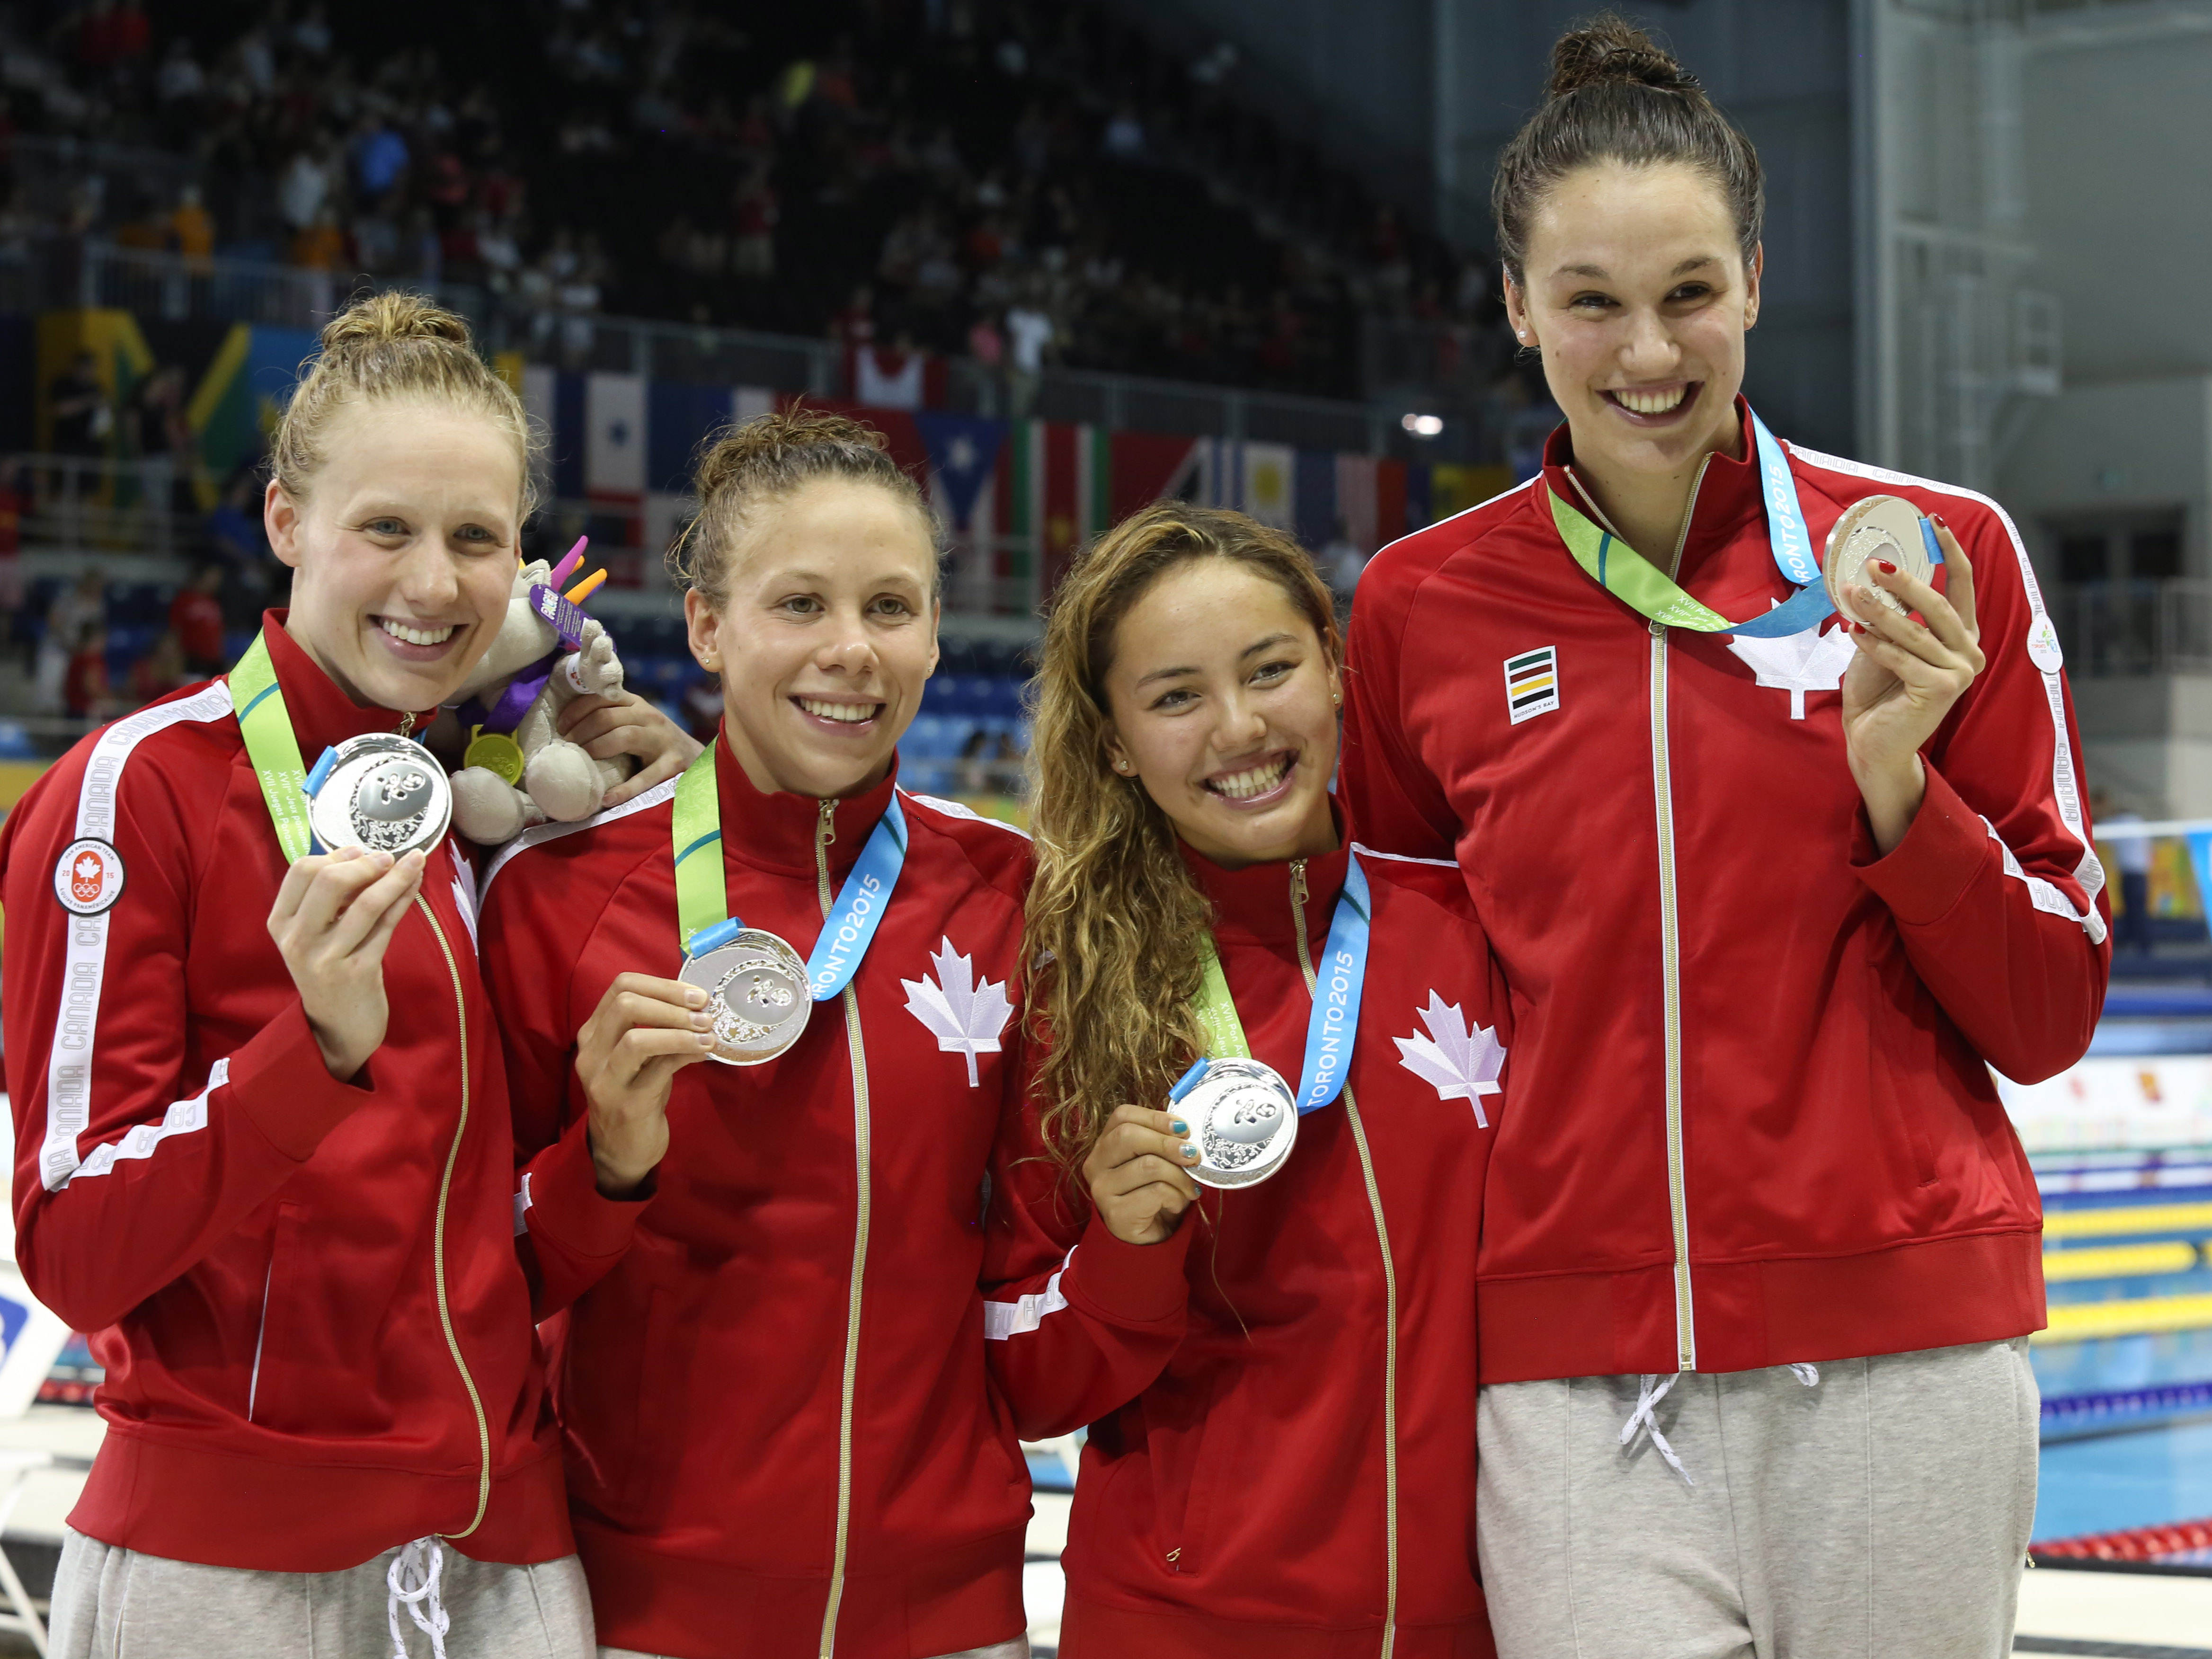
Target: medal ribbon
x=1630 y=577
x=703 y=920
x=273 y=748
x=1331 y=1028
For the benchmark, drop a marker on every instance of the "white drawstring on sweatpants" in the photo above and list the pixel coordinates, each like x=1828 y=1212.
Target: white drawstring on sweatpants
x=413 y=1582
x=1652 y=1387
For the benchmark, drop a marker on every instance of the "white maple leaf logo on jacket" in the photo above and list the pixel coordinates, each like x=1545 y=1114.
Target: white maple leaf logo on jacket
x=966 y=1016
x=1798 y=663
x=1460 y=1060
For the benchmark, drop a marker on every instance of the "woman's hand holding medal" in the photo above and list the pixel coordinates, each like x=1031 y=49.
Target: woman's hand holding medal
x=1139 y=1174
x=643 y=1032
x=1906 y=679
x=332 y=919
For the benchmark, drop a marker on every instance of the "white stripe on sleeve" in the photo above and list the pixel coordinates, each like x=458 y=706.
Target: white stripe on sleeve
x=2065 y=775
x=184 y=1117
x=1002 y=1319
x=84 y=965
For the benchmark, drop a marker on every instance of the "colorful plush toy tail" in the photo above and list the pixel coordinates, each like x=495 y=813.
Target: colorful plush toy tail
x=563 y=610
x=561 y=571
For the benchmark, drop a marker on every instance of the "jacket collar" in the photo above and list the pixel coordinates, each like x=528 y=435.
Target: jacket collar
x=1728 y=495
x=1254 y=902
x=321 y=714
x=776 y=831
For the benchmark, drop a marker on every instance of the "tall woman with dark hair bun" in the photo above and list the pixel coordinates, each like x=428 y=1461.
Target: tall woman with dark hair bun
x=1774 y=888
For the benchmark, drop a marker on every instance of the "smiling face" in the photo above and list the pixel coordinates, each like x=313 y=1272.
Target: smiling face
x=1223 y=703
x=827 y=633
x=1637 y=295
x=404 y=550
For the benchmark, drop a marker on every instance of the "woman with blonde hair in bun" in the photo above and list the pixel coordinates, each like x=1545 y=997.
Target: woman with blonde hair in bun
x=781 y=1439
x=1759 y=767
x=262 y=1148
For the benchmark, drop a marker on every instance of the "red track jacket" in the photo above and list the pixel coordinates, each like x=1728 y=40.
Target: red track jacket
x=1762 y=1128
x=256 y=1247
x=1241 y=1378
x=778 y=1420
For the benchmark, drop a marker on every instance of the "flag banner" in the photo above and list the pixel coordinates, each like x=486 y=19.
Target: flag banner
x=1355 y=500
x=963 y=450
x=885 y=378
x=1421 y=495
x=1455 y=489
x=1148 y=467
x=1317 y=514
x=234 y=407
x=556 y=402
x=901 y=436
x=679 y=419
x=1219 y=479
x=1390 y=520
x=665 y=513
x=1269 y=488
x=614 y=434
x=1056 y=493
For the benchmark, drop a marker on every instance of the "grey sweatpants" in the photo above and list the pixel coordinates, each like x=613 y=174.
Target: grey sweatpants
x=112 y=1603
x=1882 y=1514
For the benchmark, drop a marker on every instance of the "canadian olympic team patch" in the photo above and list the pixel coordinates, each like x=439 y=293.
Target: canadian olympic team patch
x=89 y=878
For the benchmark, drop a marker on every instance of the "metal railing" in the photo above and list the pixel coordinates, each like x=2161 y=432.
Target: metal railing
x=2123 y=629
x=50 y=273
x=97 y=504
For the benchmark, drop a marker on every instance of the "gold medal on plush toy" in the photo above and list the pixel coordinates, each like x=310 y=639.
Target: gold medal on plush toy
x=517 y=769
x=497 y=753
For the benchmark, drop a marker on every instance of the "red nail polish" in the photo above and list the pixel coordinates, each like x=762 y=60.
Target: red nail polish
x=1936 y=518
x=1885 y=567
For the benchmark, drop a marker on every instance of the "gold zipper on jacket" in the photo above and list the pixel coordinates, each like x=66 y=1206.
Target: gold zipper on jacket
x=438 y=1259
x=1390 y=1294
x=825 y=831
x=1670 y=962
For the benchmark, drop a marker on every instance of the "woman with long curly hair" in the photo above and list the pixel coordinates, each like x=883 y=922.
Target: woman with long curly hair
x=1268 y=1092
x=1774 y=894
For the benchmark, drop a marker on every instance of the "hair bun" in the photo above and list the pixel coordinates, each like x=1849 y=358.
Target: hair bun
x=767 y=441
x=1609 y=51
x=378 y=319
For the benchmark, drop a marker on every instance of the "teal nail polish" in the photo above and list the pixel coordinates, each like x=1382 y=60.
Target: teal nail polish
x=1176 y=1125
x=1190 y=1152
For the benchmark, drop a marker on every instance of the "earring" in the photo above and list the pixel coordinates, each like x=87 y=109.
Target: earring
x=1121 y=766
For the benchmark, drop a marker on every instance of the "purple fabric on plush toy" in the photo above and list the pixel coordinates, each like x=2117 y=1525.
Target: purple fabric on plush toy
x=505 y=714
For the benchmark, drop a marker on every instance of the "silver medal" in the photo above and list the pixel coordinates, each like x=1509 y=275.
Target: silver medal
x=1879 y=527
x=757 y=991
x=1244 y=1119
x=383 y=792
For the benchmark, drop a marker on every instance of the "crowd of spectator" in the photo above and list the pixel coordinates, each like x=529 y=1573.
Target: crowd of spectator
x=1019 y=181
x=98 y=649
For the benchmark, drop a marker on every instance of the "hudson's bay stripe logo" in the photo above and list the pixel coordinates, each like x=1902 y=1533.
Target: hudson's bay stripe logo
x=1532 y=683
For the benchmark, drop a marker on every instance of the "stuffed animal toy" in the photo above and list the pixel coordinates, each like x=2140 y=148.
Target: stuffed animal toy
x=517 y=769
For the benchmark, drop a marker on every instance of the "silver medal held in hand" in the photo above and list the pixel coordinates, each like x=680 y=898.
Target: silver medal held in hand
x=1243 y=1120
x=1880 y=527
x=380 y=792
x=756 y=986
